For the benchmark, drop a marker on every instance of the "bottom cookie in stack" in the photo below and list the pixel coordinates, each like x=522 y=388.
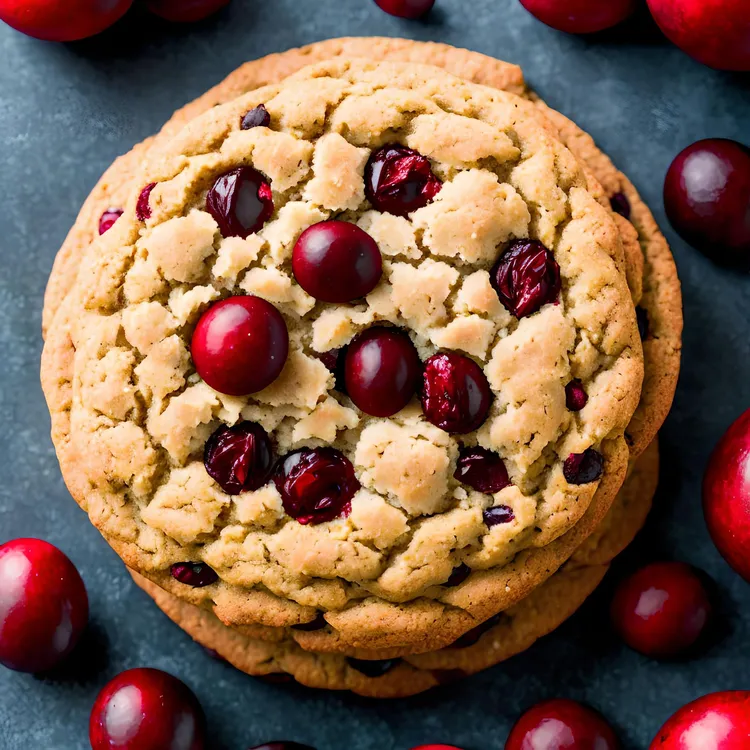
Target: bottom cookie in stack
x=506 y=635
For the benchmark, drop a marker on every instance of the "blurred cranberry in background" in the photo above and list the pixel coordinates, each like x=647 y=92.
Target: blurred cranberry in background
x=185 y=11
x=580 y=16
x=406 y=8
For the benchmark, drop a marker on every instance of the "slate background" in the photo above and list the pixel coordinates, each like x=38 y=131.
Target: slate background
x=67 y=110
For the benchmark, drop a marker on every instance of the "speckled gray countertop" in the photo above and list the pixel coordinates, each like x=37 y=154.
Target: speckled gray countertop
x=67 y=111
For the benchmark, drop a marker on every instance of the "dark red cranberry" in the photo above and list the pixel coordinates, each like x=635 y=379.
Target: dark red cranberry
x=582 y=468
x=240 y=345
x=336 y=261
x=282 y=745
x=316 y=485
x=661 y=610
x=406 y=8
x=641 y=317
x=318 y=623
x=146 y=709
x=473 y=636
x=399 y=180
x=497 y=515
x=372 y=668
x=241 y=201
x=575 y=397
x=620 y=204
x=194 y=574
x=43 y=605
x=483 y=470
x=239 y=458
x=707 y=199
x=185 y=11
x=143 y=205
x=458 y=575
x=526 y=277
x=256 y=118
x=561 y=725
x=108 y=219
x=381 y=371
x=455 y=393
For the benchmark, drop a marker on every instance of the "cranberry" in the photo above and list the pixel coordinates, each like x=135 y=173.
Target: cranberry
x=108 y=219
x=282 y=745
x=482 y=469
x=455 y=393
x=143 y=205
x=194 y=574
x=620 y=204
x=240 y=345
x=707 y=199
x=146 y=709
x=497 y=515
x=185 y=11
x=372 y=668
x=335 y=261
x=381 y=371
x=406 y=8
x=239 y=457
x=458 y=575
x=561 y=725
x=644 y=324
x=661 y=610
x=333 y=359
x=316 y=485
x=473 y=636
x=241 y=202
x=582 y=468
x=575 y=397
x=526 y=277
x=43 y=605
x=318 y=623
x=399 y=180
x=719 y=721
x=256 y=118
x=580 y=16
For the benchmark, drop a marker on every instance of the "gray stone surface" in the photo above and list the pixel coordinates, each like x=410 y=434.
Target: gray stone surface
x=67 y=111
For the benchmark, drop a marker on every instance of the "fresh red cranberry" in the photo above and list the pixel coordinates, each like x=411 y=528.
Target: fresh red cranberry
x=561 y=725
x=108 y=219
x=256 y=118
x=381 y=371
x=497 y=515
x=575 y=396
x=372 y=668
x=719 y=721
x=318 y=623
x=582 y=468
x=239 y=458
x=726 y=495
x=282 y=745
x=707 y=199
x=661 y=610
x=483 y=470
x=620 y=204
x=399 y=180
x=526 y=277
x=316 y=485
x=185 y=11
x=644 y=324
x=143 y=205
x=146 y=709
x=241 y=201
x=455 y=393
x=336 y=261
x=580 y=16
x=43 y=605
x=240 y=345
x=458 y=575
x=406 y=8
x=194 y=574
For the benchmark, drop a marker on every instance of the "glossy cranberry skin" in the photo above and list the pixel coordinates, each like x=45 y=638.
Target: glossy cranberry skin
x=582 y=468
x=525 y=277
x=240 y=201
x=239 y=458
x=399 y=180
x=707 y=199
x=316 y=485
x=483 y=470
x=455 y=393
x=719 y=721
x=561 y=725
x=381 y=371
x=580 y=16
x=240 y=345
x=108 y=218
x=257 y=117
x=185 y=11
x=661 y=610
x=620 y=204
x=497 y=515
x=575 y=395
x=335 y=261
x=726 y=495
x=194 y=574
x=406 y=8
x=43 y=605
x=143 y=205
x=146 y=709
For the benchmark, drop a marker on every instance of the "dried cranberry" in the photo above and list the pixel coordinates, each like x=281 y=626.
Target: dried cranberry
x=582 y=468
x=316 y=484
x=318 y=623
x=458 y=575
x=482 y=469
x=241 y=202
x=108 y=219
x=399 y=180
x=641 y=317
x=239 y=457
x=575 y=397
x=194 y=574
x=372 y=668
x=256 y=118
x=526 y=277
x=497 y=515
x=620 y=204
x=472 y=637
x=455 y=393
x=143 y=206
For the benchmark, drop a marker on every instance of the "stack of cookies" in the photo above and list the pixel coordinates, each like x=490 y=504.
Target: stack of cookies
x=359 y=365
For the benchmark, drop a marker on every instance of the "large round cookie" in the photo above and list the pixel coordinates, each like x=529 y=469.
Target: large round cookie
x=379 y=588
